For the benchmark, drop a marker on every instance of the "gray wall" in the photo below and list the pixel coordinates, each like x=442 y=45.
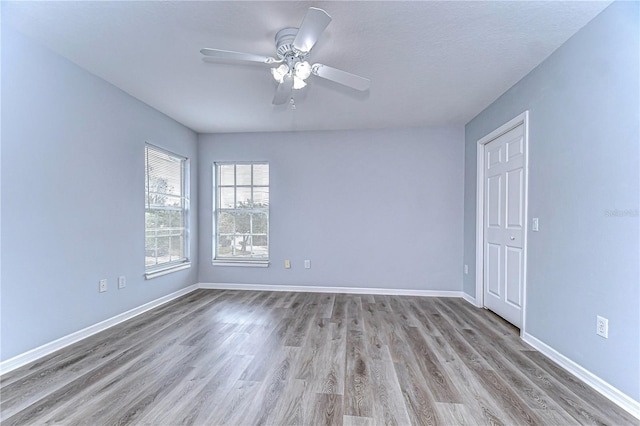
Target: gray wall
x=72 y=196
x=584 y=164
x=369 y=208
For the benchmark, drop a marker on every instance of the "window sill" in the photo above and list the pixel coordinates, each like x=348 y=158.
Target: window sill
x=164 y=271
x=245 y=263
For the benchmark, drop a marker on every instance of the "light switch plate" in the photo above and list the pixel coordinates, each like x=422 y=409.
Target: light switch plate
x=534 y=224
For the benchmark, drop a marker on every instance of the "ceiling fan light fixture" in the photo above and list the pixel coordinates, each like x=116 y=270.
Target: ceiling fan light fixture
x=298 y=83
x=303 y=70
x=279 y=72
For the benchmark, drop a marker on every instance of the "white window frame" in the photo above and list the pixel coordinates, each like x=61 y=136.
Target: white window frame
x=228 y=260
x=184 y=262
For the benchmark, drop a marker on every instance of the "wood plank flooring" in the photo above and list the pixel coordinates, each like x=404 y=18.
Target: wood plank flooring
x=218 y=357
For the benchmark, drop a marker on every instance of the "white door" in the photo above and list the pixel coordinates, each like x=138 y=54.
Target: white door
x=504 y=192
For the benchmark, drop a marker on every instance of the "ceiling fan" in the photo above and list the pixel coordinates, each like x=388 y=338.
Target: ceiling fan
x=291 y=69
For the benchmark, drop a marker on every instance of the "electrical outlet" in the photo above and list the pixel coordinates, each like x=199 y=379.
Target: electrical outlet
x=466 y=269
x=122 y=281
x=307 y=264
x=602 y=328
x=102 y=286
x=287 y=264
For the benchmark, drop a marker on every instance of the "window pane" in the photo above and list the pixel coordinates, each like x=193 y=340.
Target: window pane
x=163 y=247
x=243 y=223
x=243 y=174
x=176 y=217
x=261 y=174
x=162 y=219
x=260 y=197
x=224 y=245
x=155 y=200
x=259 y=240
x=176 y=248
x=150 y=219
x=157 y=184
x=172 y=201
x=242 y=245
x=225 y=223
x=226 y=174
x=163 y=232
x=227 y=200
x=260 y=247
x=260 y=223
x=244 y=198
x=150 y=248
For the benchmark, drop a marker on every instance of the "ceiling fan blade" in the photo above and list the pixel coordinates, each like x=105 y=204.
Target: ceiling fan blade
x=342 y=77
x=313 y=24
x=237 y=56
x=283 y=93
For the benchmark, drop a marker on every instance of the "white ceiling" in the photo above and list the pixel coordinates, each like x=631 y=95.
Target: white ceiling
x=430 y=62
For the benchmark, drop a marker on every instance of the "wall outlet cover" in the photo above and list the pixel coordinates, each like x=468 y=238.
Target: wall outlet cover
x=602 y=327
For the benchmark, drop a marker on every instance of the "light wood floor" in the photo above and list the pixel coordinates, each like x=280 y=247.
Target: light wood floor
x=232 y=357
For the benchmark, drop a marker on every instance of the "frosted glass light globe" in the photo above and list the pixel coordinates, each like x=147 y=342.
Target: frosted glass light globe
x=303 y=70
x=298 y=83
x=279 y=72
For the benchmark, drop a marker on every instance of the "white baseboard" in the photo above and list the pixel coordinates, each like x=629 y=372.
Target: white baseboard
x=325 y=289
x=470 y=299
x=48 y=348
x=623 y=400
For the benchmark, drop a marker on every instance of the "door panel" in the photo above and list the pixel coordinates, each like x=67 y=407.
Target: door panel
x=494 y=156
x=494 y=195
x=504 y=224
x=493 y=269
x=515 y=201
x=515 y=147
x=513 y=276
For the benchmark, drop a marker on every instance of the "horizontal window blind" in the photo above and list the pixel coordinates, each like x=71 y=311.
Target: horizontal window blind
x=164 y=180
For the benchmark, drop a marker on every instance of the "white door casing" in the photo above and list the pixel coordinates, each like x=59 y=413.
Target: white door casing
x=502 y=221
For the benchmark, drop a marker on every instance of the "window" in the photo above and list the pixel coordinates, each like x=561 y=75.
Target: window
x=241 y=212
x=166 y=208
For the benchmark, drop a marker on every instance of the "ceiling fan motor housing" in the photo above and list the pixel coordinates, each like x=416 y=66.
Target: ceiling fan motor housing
x=284 y=44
